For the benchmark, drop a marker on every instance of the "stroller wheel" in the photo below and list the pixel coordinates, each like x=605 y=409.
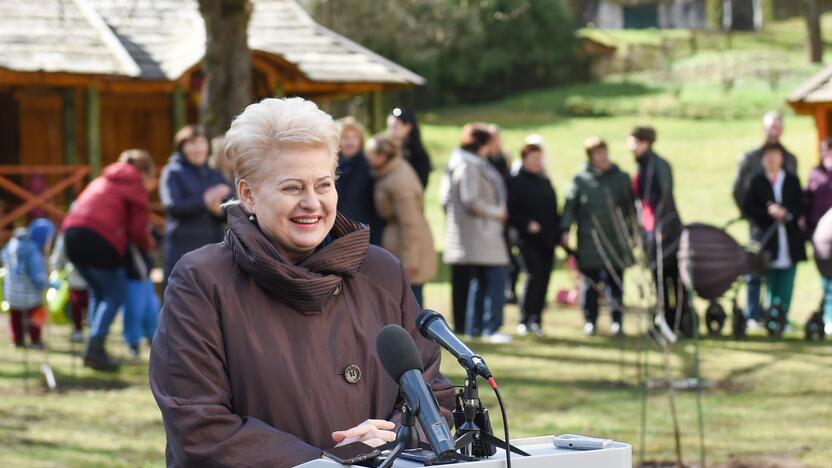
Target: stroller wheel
x=715 y=318
x=775 y=320
x=738 y=323
x=815 y=327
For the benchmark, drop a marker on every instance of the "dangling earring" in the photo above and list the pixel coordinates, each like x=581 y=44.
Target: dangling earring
x=252 y=218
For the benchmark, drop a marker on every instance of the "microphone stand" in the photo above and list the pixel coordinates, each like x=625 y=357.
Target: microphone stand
x=407 y=438
x=474 y=437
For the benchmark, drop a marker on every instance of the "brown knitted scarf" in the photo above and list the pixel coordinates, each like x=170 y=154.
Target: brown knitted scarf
x=308 y=285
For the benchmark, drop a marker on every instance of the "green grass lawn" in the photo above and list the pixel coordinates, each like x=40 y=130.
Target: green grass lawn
x=766 y=403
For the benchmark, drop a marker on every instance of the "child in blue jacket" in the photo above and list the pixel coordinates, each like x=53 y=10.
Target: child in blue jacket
x=26 y=279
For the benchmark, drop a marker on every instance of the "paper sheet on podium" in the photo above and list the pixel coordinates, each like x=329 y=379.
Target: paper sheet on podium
x=543 y=455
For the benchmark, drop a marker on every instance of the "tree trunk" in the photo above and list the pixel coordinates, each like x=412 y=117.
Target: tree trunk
x=227 y=63
x=815 y=42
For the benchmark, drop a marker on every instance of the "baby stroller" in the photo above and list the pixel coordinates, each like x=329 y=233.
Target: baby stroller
x=711 y=262
x=822 y=244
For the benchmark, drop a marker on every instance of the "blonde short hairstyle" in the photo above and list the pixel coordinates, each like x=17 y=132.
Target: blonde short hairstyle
x=351 y=123
x=271 y=126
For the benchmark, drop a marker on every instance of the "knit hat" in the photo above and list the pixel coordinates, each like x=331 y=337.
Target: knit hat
x=41 y=231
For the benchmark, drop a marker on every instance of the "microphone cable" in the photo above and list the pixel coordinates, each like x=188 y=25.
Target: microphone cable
x=493 y=384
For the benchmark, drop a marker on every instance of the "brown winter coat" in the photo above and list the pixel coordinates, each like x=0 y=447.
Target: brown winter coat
x=400 y=202
x=249 y=359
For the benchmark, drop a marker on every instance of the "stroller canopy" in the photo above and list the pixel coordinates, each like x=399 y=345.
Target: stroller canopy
x=710 y=260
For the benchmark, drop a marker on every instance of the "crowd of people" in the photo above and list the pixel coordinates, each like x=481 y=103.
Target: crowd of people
x=502 y=217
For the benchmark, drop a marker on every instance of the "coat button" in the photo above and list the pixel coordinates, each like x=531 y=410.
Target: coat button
x=337 y=290
x=352 y=374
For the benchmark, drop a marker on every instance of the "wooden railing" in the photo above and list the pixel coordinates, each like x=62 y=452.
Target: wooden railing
x=70 y=176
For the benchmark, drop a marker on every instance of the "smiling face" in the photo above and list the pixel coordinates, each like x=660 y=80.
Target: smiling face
x=600 y=159
x=196 y=150
x=772 y=161
x=350 y=142
x=398 y=129
x=773 y=129
x=636 y=146
x=294 y=200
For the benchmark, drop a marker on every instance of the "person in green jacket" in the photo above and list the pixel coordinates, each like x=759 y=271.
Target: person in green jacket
x=600 y=201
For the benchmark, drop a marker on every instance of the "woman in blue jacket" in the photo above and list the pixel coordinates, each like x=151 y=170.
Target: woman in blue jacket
x=192 y=194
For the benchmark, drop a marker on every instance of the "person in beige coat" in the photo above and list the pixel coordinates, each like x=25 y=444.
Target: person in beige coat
x=399 y=200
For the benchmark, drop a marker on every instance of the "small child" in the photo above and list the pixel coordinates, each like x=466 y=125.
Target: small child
x=26 y=280
x=78 y=291
x=141 y=306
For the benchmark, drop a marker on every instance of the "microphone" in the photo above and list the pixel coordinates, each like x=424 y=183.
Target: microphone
x=401 y=359
x=434 y=327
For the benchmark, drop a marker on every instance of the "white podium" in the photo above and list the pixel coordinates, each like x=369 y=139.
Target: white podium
x=543 y=455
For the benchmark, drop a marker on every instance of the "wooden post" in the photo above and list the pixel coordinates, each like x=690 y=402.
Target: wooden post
x=70 y=137
x=94 y=130
x=178 y=118
x=377 y=111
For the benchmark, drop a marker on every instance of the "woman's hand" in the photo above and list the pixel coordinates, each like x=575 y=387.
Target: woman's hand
x=373 y=432
x=213 y=197
x=533 y=227
x=777 y=212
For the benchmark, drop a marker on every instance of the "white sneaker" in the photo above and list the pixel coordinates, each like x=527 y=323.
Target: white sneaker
x=589 y=329
x=615 y=329
x=535 y=328
x=497 y=338
x=522 y=329
x=753 y=325
x=828 y=329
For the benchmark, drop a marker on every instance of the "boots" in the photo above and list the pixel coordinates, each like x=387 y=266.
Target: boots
x=96 y=357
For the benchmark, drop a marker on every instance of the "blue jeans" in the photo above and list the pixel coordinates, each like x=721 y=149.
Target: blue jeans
x=753 y=309
x=486 y=299
x=107 y=292
x=140 y=311
x=418 y=291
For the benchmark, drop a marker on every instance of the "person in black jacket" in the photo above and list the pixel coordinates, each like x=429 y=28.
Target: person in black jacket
x=653 y=189
x=191 y=193
x=533 y=212
x=775 y=201
x=355 y=184
x=404 y=129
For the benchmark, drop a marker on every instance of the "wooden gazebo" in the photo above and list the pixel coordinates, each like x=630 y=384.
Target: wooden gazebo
x=814 y=98
x=81 y=80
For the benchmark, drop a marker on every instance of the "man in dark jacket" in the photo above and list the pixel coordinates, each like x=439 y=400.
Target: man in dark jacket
x=600 y=202
x=532 y=208
x=653 y=187
x=751 y=165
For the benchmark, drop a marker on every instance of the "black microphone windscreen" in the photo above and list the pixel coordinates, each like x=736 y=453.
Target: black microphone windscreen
x=397 y=351
x=425 y=318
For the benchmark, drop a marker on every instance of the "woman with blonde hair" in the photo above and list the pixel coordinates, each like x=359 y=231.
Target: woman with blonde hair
x=257 y=331
x=191 y=193
x=400 y=200
x=355 y=185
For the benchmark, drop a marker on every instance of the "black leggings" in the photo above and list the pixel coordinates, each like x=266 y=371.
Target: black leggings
x=537 y=263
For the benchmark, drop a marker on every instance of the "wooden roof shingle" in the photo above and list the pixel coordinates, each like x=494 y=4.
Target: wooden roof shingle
x=817 y=89
x=162 y=39
x=60 y=36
